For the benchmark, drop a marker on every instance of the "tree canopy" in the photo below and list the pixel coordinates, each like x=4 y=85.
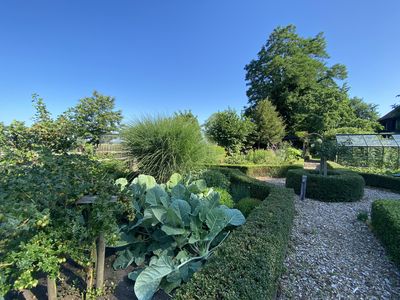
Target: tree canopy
x=293 y=72
x=229 y=130
x=270 y=129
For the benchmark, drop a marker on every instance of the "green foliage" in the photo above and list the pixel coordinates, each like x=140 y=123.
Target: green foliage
x=215 y=178
x=165 y=145
x=276 y=171
x=270 y=128
x=225 y=198
x=94 y=116
x=229 y=130
x=250 y=262
x=294 y=74
x=261 y=156
x=287 y=153
x=338 y=186
x=244 y=186
x=385 y=218
x=177 y=226
x=116 y=168
x=38 y=199
x=246 y=205
x=382 y=181
x=362 y=216
x=215 y=154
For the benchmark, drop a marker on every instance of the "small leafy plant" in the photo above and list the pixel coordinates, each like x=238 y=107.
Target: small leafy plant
x=177 y=226
x=362 y=216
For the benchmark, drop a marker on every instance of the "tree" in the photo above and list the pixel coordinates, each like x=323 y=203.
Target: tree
x=293 y=73
x=229 y=130
x=94 y=116
x=270 y=128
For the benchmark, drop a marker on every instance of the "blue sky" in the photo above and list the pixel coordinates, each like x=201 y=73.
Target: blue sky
x=167 y=55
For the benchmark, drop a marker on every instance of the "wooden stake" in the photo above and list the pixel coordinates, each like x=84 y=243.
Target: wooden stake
x=51 y=288
x=101 y=254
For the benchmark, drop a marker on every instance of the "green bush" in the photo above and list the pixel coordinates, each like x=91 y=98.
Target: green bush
x=215 y=154
x=166 y=145
x=116 y=168
x=246 y=205
x=225 y=197
x=385 y=217
x=250 y=262
x=338 y=186
x=382 y=181
x=215 y=178
x=262 y=156
x=243 y=186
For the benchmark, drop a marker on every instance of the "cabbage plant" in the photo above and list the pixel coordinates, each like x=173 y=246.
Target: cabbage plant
x=177 y=226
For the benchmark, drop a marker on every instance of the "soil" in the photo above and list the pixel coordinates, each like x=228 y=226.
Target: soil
x=71 y=284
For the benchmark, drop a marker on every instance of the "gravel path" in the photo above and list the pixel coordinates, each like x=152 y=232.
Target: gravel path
x=332 y=255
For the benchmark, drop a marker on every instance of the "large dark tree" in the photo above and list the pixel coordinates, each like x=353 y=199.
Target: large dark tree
x=293 y=72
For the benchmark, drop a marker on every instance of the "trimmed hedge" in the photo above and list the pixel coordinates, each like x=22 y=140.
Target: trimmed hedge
x=248 y=264
x=276 y=171
x=385 y=218
x=243 y=186
x=382 y=181
x=338 y=186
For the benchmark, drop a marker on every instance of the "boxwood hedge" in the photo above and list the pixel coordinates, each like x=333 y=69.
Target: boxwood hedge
x=382 y=181
x=338 y=186
x=249 y=263
x=385 y=218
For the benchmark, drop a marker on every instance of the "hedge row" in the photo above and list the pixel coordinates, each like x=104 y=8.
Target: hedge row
x=338 y=186
x=382 y=181
x=376 y=180
x=249 y=263
x=243 y=186
x=276 y=171
x=385 y=217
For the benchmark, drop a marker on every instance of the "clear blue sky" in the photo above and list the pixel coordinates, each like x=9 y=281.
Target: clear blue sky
x=167 y=55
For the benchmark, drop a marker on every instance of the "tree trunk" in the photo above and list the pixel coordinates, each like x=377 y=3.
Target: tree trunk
x=90 y=269
x=101 y=253
x=28 y=295
x=325 y=167
x=51 y=288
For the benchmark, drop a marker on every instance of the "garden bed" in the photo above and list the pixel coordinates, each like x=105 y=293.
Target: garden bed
x=249 y=263
x=338 y=186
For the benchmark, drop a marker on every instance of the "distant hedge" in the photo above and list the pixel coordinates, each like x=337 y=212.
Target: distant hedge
x=250 y=262
x=275 y=171
x=338 y=186
x=385 y=217
x=382 y=181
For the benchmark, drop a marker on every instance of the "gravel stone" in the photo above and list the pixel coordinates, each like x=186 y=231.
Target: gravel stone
x=332 y=255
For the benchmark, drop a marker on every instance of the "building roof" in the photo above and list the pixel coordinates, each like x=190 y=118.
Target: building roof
x=395 y=113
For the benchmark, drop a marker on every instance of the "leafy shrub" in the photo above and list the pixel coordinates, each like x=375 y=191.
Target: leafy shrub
x=362 y=216
x=215 y=178
x=288 y=153
x=38 y=205
x=165 y=145
x=250 y=262
x=385 y=218
x=177 y=226
x=116 y=168
x=338 y=186
x=246 y=205
x=225 y=198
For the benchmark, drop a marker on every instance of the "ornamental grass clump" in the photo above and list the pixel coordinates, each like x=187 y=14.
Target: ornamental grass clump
x=165 y=145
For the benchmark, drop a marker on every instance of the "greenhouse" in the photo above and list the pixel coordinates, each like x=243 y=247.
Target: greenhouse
x=369 y=150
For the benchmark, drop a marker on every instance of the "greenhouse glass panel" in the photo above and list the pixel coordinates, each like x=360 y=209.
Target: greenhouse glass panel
x=396 y=137
x=372 y=140
x=389 y=142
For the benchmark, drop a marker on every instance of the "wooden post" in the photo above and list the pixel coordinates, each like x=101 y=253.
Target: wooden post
x=101 y=254
x=51 y=289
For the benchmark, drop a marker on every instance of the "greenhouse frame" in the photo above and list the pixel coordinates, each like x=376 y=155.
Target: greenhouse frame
x=369 y=150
